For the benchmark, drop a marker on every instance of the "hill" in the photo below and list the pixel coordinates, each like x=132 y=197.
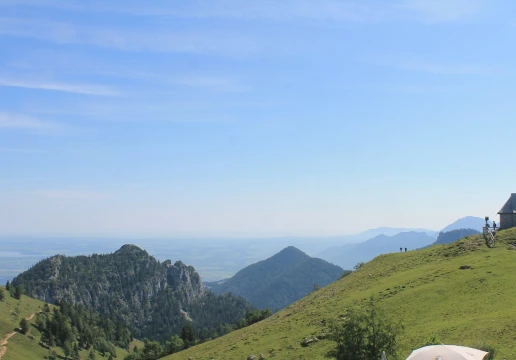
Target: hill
x=15 y=345
x=453 y=235
x=468 y=222
x=279 y=280
x=349 y=255
x=432 y=291
x=129 y=286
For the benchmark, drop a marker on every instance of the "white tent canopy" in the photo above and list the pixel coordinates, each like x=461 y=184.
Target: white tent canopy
x=447 y=352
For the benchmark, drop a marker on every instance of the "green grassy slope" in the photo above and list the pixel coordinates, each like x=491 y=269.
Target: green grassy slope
x=12 y=310
x=22 y=347
x=426 y=289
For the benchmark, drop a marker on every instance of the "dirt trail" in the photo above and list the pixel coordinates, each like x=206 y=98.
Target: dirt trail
x=3 y=342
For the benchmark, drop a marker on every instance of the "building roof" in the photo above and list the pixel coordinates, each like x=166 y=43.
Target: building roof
x=510 y=206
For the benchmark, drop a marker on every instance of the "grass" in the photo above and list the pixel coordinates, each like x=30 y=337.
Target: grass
x=426 y=289
x=22 y=347
x=13 y=310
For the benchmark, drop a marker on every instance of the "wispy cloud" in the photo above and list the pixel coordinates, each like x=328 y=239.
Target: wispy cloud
x=83 y=89
x=21 y=150
x=284 y=10
x=281 y=10
x=66 y=194
x=410 y=64
x=24 y=122
x=144 y=39
x=213 y=83
x=444 y=10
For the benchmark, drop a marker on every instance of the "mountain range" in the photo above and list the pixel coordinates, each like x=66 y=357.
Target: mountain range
x=279 y=280
x=440 y=291
x=347 y=256
x=468 y=222
x=384 y=240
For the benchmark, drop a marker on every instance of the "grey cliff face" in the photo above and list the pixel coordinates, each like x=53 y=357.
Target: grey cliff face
x=184 y=279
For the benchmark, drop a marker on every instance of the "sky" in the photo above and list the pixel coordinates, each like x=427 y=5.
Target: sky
x=228 y=118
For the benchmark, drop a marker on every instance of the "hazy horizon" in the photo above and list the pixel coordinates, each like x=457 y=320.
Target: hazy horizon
x=229 y=237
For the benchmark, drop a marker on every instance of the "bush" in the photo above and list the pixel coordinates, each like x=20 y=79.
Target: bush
x=364 y=335
x=24 y=326
x=346 y=273
x=18 y=292
x=359 y=265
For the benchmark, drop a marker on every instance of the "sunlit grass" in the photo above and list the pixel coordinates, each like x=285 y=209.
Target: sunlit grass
x=426 y=289
x=23 y=347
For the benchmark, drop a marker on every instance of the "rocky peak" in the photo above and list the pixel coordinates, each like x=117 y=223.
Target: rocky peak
x=132 y=250
x=184 y=279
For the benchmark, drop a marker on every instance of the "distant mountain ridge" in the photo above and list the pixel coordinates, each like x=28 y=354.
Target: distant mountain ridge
x=453 y=235
x=279 y=280
x=349 y=255
x=154 y=299
x=468 y=222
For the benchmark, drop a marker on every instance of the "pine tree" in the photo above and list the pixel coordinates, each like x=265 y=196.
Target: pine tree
x=75 y=353
x=52 y=354
x=2 y=295
x=91 y=355
x=67 y=348
x=18 y=292
x=188 y=336
x=8 y=285
x=174 y=345
x=24 y=326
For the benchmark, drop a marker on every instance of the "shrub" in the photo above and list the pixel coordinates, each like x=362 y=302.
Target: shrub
x=24 y=326
x=364 y=335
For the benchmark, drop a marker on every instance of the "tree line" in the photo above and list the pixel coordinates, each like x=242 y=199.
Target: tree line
x=73 y=327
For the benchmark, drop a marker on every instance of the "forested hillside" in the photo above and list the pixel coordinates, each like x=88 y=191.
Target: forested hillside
x=31 y=329
x=131 y=287
x=280 y=280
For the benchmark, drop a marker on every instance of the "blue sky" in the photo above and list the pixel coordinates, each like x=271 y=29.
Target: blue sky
x=253 y=118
